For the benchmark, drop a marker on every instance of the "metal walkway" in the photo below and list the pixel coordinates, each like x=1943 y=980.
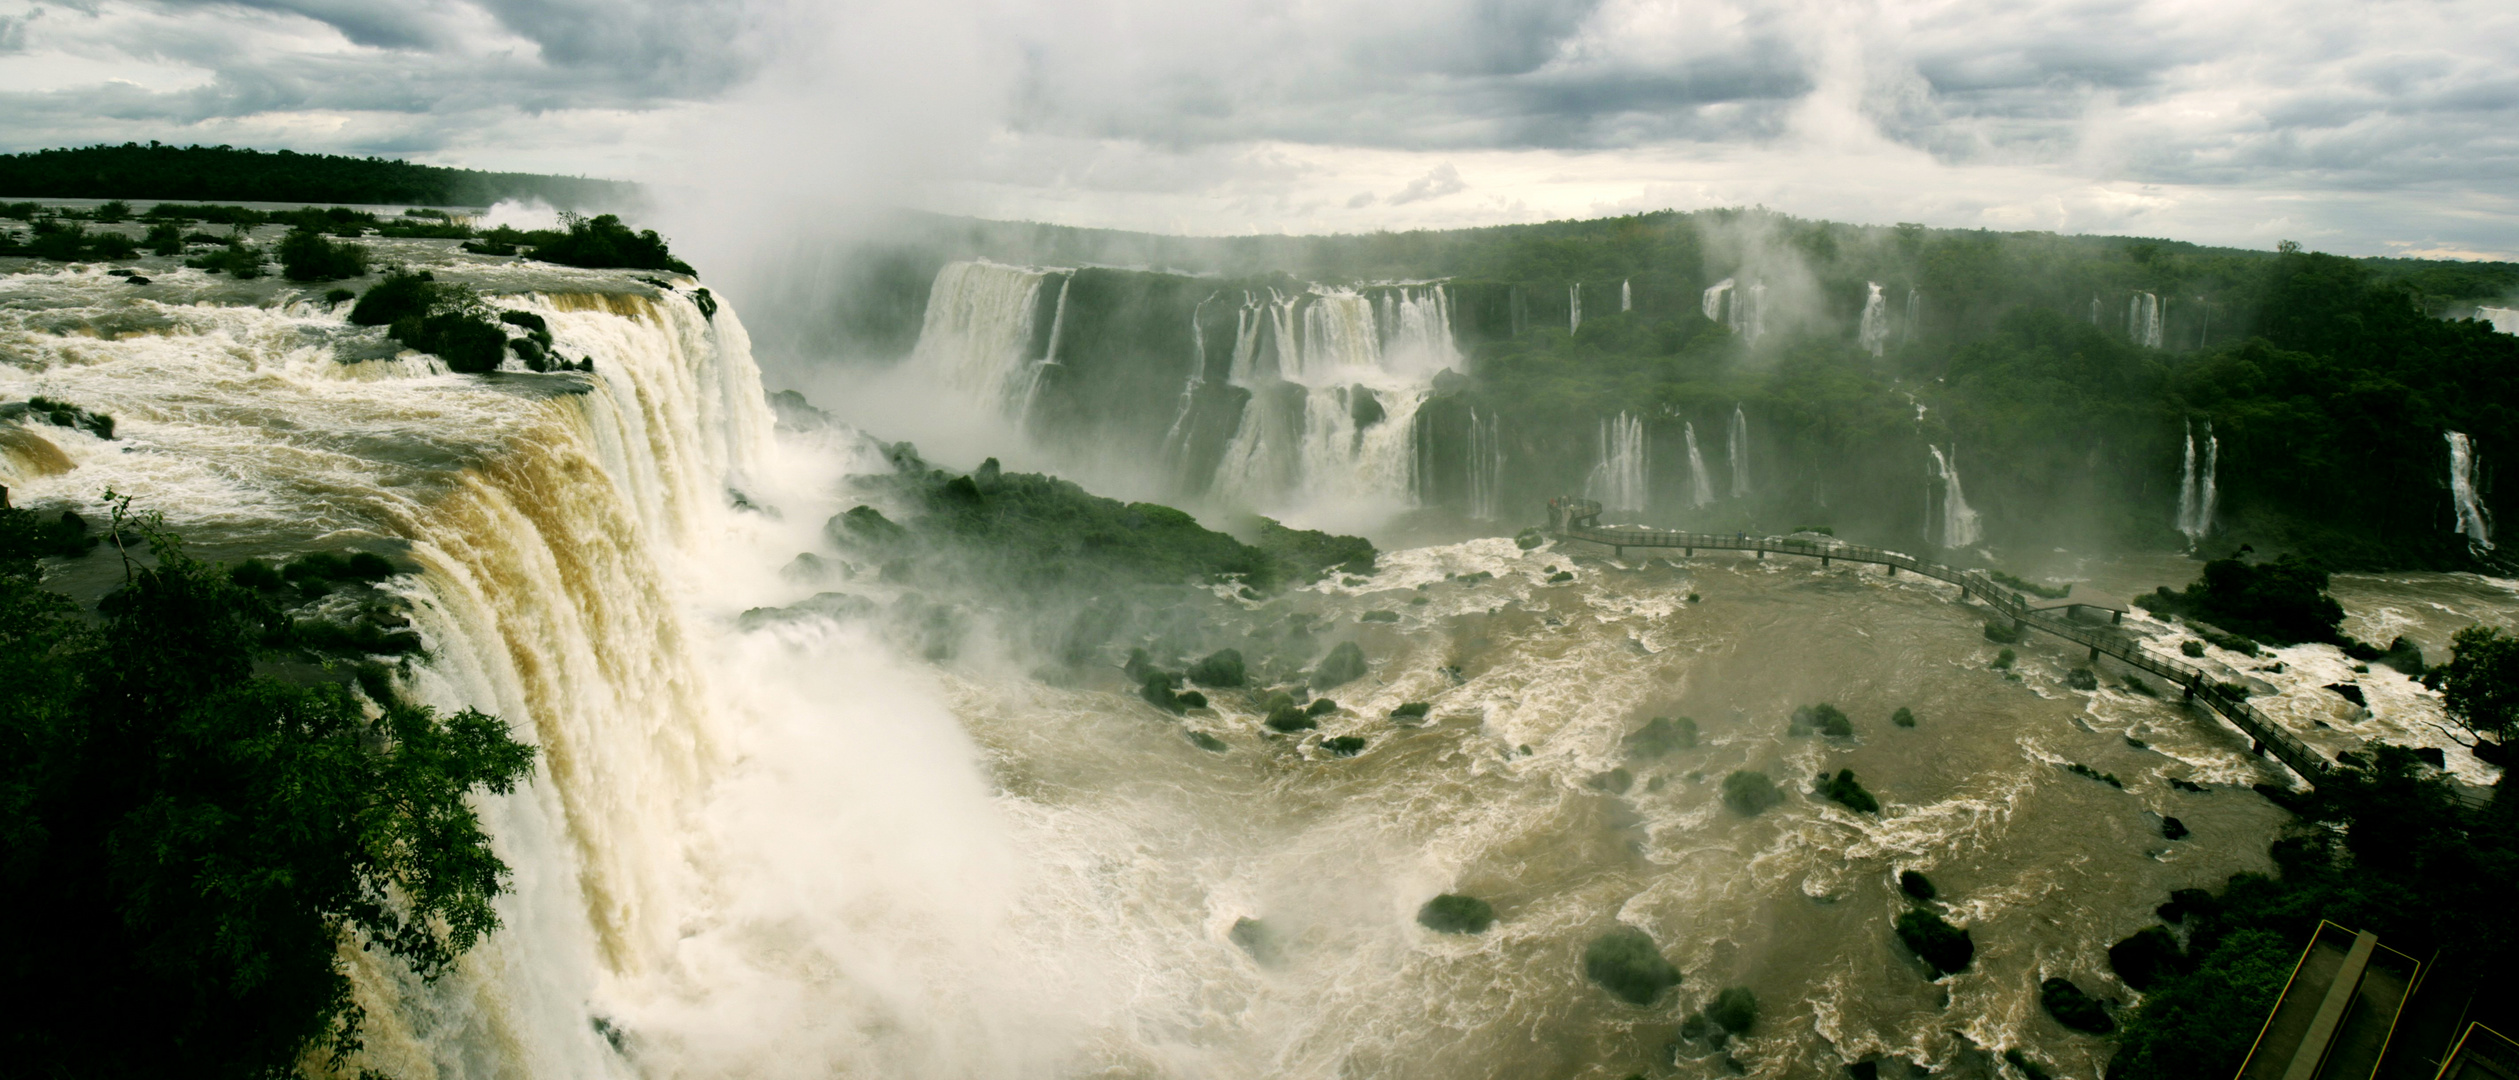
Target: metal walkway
x=1579 y=519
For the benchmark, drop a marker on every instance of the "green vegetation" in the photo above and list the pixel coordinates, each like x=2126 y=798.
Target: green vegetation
x=1627 y=963
x=2283 y=601
x=2073 y=1008
x=305 y=255
x=1750 y=793
x=2002 y=633
x=2147 y=957
x=1735 y=1010
x=133 y=171
x=2479 y=685
x=2004 y=660
x=2383 y=845
x=2191 y=648
x=1452 y=913
x=1412 y=711
x=448 y=320
x=1845 y=790
x=1945 y=948
x=1222 y=668
x=199 y=842
x=603 y=242
x=1344 y=745
x=236 y=259
x=1823 y=718
x=1904 y=717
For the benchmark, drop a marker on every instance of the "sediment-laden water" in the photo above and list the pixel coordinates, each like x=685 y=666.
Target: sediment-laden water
x=794 y=851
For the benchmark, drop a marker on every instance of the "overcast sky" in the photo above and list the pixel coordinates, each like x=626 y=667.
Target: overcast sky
x=2369 y=128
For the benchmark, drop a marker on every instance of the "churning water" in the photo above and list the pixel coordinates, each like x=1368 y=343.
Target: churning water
x=790 y=851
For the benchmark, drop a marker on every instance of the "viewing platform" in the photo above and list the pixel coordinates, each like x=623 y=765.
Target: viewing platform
x=1579 y=519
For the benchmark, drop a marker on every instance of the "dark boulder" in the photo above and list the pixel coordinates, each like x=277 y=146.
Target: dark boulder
x=1452 y=913
x=1344 y=745
x=2073 y=1008
x=1915 y=884
x=1205 y=741
x=2432 y=756
x=1945 y=948
x=1344 y=664
x=2149 y=956
x=1222 y=669
x=1735 y=1010
x=2351 y=693
x=2173 y=829
x=1627 y=963
x=1748 y=793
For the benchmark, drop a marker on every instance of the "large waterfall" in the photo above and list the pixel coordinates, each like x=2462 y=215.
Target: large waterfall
x=1700 y=488
x=978 y=336
x=2143 y=312
x=2472 y=520
x=1335 y=393
x=1739 y=452
x=1960 y=525
x=1619 y=470
x=1574 y=307
x=1874 y=333
x=2502 y=319
x=2195 y=488
x=1712 y=302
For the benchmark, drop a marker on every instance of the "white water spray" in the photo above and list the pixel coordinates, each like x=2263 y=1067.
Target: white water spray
x=2502 y=319
x=1712 y=302
x=1739 y=452
x=1874 y=333
x=1626 y=296
x=1700 y=488
x=2472 y=519
x=1619 y=471
x=1574 y=307
x=1960 y=524
x=977 y=337
x=2196 y=493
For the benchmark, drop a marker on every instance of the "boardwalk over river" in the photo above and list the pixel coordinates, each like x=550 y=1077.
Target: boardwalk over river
x=1577 y=519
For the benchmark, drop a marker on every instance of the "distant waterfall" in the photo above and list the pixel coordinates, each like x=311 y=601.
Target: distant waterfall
x=1907 y=332
x=1486 y=466
x=1336 y=381
x=2195 y=489
x=2504 y=320
x=1700 y=488
x=1739 y=447
x=977 y=337
x=1626 y=296
x=1619 y=473
x=2143 y=320
x=1874 y=334
x=2094 y=310
x=1574 y=307
x=1960 y=525
x=1712 y=303
x=2472 y=520
x=1750 y=315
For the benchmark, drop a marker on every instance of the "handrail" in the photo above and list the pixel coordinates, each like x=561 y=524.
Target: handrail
x=1579 y=519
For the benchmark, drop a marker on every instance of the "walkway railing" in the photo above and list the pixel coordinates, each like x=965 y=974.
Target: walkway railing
x=1580 y=520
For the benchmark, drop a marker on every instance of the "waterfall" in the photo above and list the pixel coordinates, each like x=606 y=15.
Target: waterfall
x=977 y=337
x=1700 y=489
x=2472 y=519
x=1739 y=447
x=1907 y=331
x=1712 y=303
x=2502 y=319
x=1619 y=472
x=2143 y=320
x=1333 y=420
x=2195 y=488
x=1176 y=438
x=1626 y=296
x=1574 y=307
x=1960 y=526
x=1750 y=312
x=1486 y=466
x=1874 y=333
x=2094 y=309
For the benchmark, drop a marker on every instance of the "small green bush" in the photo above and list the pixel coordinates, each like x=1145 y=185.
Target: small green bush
x=603 y=242
x=237 y=259
x=164 y=238
x=2191 y=648
x=2004 y=660
x=1824 y=718
x=1627 y=963
x=1344 y=745
x=305 y=255
x=1452 y=913
x=2002 y=633
x=1289 y=719
x=1222 y=668
x=1414 y=710
x=1844 y=789
x=2147 y=957
x=1904 y=717
x=1750 y=793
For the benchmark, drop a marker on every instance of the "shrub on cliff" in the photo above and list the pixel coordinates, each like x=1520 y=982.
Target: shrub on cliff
x=603 y=242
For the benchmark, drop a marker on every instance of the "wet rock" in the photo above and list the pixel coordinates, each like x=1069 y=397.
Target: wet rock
x=2147 y=957
x=1561 y=577
x=1221 y=669
x=2187 y=785
x=2351 y=693
x=1452 y=913
x=1157 y=690
x=1946 y=949
x=1735 y=1010
x=1320 y=707
x=2432 y=756
x=1915 y=884
x=2082 y=678
x=1629 y=965
x=1258 y=939
x=1289 y=718
x=1529 y=538
x=1205 y=741
x=2073 y=1008
x=1343 y=665
x=1378 y=615
x=1190 y=699
x=1660 y=736
x=826 y=605
x=1413 y=712
x=2173 y=829
x=1344 y=745
x=1749 y=793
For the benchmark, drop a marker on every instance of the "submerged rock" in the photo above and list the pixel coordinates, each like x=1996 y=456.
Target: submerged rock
x=2073 y=1008
x=1615 y=781
x=1627 y=963
x=1452 y=913
x=1750 y=793
x=1256 y=938
x=1205 y=741
x=1221 y=669
x=1660 y=736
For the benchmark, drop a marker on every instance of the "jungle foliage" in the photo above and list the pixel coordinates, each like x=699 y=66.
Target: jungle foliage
x=197 y=842
x=157 y=171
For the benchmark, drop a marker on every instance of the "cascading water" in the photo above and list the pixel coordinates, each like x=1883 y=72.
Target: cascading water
x=1574 y=307
x=2195 y=488
x=979 y=329
x=1750 y=313
x=1712 y=302
x=2502 y=319
x=1700 y=488
x=2143 y=320
x=2094 y=310
x=1906 y=331
x=1874 y=333
x=1626 y=296
x=1960 y=524
x=2472 y=520
x=1486 y=466
x=1739 y=453
x=1620 y=469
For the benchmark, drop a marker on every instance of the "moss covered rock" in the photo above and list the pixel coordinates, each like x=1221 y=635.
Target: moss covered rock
x=1750 y=793
x=1452 y=913
x=1344 y=664
x=1660 y=736
x=1627 y=963
x=1221 y=669
x=2073 y=1008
